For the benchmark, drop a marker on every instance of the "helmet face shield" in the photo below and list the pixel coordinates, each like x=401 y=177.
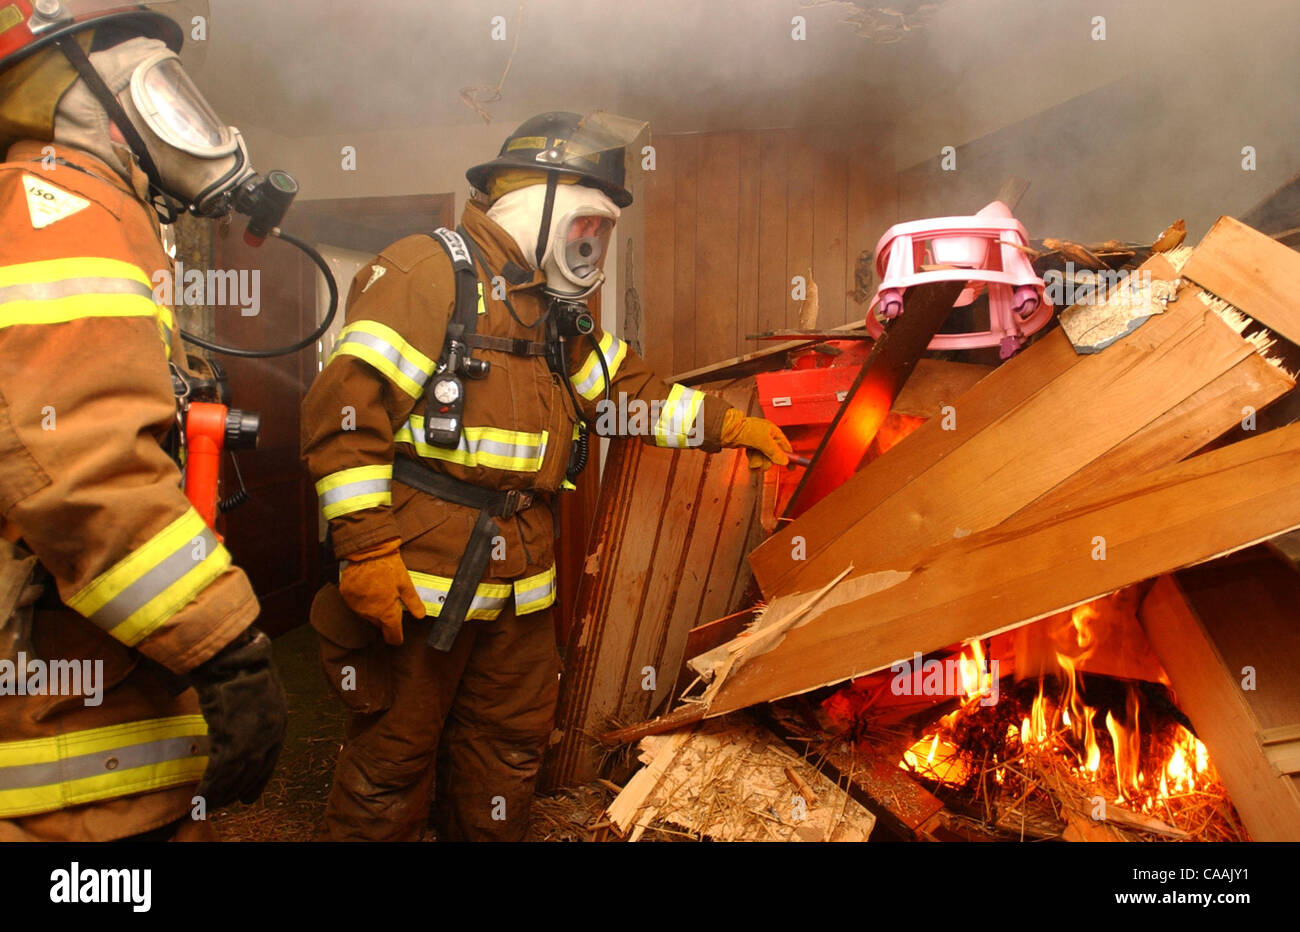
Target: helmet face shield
x=176 y=111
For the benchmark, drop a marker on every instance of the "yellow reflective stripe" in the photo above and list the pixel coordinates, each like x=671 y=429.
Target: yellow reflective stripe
x=489 y=598
x=57 y=291
x=387 y=351
x=350 y=490
x=54 y=270
x=482 y=308
x=491 y=447
x=166 y=326
x=76 y=307
x=675 y=427
x=535 y=593
x=74 y=768
x=154 y=582
x=529 y=142
x=589 y=381
x=532 y=594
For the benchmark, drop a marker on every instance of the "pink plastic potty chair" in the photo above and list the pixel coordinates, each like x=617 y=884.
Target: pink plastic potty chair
x=980 y=250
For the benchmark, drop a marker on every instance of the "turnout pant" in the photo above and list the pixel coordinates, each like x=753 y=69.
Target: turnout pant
x=475 y=719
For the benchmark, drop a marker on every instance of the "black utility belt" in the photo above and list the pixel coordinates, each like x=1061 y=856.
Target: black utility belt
x=496 y=502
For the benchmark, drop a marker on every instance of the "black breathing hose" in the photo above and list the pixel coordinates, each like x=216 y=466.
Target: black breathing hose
x=320 y=331
x=604 y=366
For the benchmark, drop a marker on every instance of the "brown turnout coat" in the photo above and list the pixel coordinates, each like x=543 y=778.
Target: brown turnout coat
x=136 y=583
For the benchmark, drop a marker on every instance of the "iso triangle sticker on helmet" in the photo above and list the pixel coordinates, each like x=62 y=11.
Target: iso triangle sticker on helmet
x=48 y=204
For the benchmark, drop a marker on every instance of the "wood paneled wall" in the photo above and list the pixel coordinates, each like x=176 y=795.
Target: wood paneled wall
x=731 y=218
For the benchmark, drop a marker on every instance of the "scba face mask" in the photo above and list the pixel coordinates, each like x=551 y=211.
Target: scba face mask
x=200 y=159
x=574 y=263
x=194 y=158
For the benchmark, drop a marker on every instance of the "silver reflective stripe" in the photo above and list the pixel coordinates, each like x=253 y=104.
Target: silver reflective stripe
x=597 y=375
x=480 y=602
x=537 y=593
x=472 y=444
x=389 y=352
x=71 y=287
x=151 y=584
x=352 y=489
x=113 y=760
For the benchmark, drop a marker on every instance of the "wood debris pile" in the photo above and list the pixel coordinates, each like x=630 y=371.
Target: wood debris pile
x=1141 y=447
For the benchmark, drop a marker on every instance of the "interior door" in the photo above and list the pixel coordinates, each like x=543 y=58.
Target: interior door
x=268 y=535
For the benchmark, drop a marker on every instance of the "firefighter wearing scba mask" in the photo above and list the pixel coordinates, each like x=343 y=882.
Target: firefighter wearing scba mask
x=455 y=407
x=105 y=568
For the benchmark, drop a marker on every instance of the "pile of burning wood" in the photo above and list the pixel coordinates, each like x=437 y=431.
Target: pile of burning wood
x=1052 y=601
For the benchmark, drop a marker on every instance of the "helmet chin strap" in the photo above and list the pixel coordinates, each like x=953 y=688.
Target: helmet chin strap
x=544 y=233
x=117 y=113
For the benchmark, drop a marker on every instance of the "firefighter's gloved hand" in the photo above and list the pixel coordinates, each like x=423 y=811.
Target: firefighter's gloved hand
x=243 y=703
x=764 y=439
x=376 y=584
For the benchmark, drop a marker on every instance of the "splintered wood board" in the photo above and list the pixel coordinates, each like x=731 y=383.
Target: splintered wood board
x=1150 y=524
x=666 y=553
x=1208 y=625
x=727 y=780
x=1252 y=272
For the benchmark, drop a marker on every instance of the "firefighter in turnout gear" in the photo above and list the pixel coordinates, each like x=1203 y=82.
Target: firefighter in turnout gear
x=453 y=411
x=110 y=583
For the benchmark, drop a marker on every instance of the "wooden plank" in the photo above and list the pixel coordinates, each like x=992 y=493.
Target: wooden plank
x=585 y=630
x=935 y=384
x=711 y=634
x=658 y=556
x=658 y=322
x=974 y=586
x=773 y=283
x=748 y=261
x=884 y=373
x=685 y=217
x=704 y=584
x=716 y=247
x=1209 y=692
x=824 y=523
x=830 y=224
x=1252 y=272
x=645 y=651
x=747 y=364
x=1186 y=428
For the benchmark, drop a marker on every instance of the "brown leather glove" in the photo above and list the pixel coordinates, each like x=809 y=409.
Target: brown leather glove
x=766 y=443
x=376 y=584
